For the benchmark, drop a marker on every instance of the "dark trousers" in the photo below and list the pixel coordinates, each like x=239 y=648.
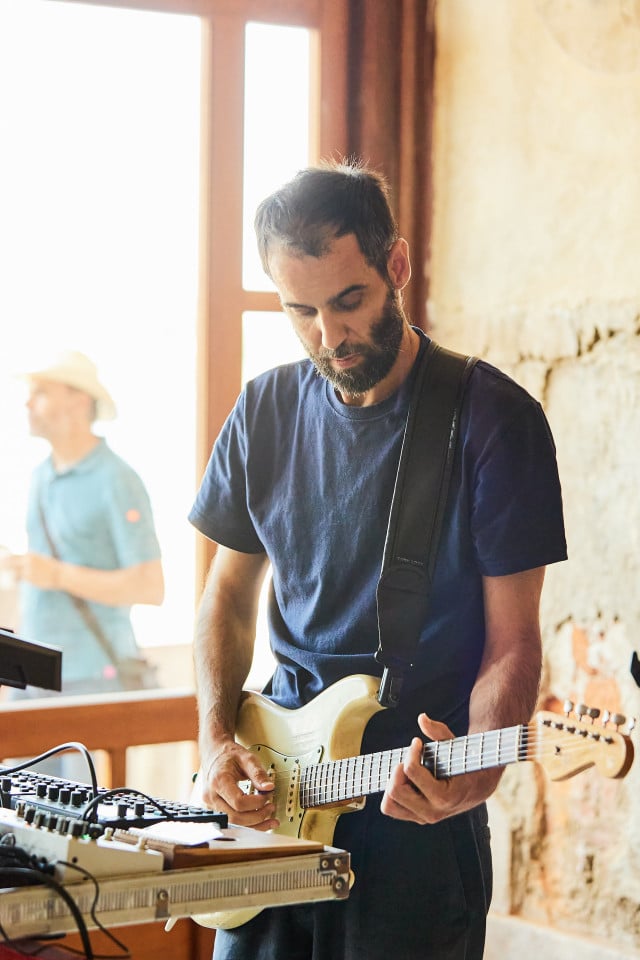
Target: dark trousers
x=420 y=893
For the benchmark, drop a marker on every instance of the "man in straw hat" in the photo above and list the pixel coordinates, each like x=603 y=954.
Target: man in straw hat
x=93 y=550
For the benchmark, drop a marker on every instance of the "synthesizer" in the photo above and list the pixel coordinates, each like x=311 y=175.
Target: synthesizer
x=63 y=804
x=70 y=854
x=150 y=859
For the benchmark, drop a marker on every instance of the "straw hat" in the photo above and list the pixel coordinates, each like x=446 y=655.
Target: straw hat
x=77 y=370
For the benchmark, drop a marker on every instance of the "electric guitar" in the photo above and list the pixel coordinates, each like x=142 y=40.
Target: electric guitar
x=313 y=756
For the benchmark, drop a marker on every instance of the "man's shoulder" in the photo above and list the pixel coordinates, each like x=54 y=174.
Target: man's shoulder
x=490 y=385
x=107 y=461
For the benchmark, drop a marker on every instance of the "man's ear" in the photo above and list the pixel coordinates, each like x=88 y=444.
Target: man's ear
x=399 y=264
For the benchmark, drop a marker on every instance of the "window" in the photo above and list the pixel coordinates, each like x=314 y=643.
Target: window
x=98 y=247
x=123 y=194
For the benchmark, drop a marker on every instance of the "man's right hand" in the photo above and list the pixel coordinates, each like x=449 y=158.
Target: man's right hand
x=218 y=787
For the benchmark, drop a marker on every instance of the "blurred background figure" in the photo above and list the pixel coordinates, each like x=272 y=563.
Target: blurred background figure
x=92 y=550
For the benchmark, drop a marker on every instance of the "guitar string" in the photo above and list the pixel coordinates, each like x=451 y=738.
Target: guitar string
x=504 y=754
x=371 y=767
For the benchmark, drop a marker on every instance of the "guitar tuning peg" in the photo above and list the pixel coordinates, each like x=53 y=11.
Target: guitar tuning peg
x=606 y=716
x=617 y=719
x=593 y=713
x=631 y=725
x=567 y=706
x=581 y=710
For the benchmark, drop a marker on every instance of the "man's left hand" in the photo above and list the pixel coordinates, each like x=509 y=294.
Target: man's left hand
x=38 y=569
x=413 y=793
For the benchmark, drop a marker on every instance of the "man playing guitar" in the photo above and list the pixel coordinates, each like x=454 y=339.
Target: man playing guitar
x=301 y=478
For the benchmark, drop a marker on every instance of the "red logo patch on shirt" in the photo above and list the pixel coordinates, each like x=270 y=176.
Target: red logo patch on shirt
x=132 y=515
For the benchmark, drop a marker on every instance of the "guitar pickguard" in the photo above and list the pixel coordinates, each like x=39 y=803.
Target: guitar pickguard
x=285 y=772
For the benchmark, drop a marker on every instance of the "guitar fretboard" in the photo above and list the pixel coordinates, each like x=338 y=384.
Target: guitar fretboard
x=339 y=780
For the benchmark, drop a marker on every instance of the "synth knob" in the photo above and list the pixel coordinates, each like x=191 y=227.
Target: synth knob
x=77 y=798
x=29 y=814
x=65 y=795
x=53 y=791
x=41 y=790
x=6 y=784
x=123 y=809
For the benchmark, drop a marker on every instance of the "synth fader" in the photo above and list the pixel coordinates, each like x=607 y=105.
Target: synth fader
x=69 y=806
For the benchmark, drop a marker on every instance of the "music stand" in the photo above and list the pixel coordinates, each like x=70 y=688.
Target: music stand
x=24 y=663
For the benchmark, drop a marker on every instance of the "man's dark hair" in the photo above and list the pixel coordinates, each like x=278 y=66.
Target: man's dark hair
x=323 y=203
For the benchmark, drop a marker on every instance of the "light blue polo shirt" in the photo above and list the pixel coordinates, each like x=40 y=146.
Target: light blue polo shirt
x=99 y=515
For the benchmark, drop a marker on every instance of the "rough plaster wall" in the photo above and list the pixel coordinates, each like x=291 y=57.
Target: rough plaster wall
x=536 y=266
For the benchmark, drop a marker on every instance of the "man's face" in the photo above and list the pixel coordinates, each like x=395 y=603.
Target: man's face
x=52 y=407
x=347 y=317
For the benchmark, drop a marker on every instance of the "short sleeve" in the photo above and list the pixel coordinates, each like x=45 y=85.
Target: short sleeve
x=517 y=519
x=220 y=510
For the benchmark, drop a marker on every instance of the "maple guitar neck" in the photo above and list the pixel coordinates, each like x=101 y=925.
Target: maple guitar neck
x=340 y=780
x=563 y=746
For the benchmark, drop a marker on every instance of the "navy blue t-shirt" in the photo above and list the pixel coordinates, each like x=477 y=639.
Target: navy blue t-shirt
x=308 y=480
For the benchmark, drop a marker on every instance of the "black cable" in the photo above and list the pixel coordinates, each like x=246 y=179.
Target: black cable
x=71 y=745
x=22 y=873
x=117 y=792
x=92 y=910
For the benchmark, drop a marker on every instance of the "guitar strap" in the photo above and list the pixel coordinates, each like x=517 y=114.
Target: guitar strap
x=417 y=511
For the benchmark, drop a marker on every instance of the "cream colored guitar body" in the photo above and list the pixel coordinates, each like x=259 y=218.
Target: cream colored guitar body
x=328 y=728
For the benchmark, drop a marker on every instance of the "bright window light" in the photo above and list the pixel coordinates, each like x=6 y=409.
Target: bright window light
x=277 y=123
x=99 y=113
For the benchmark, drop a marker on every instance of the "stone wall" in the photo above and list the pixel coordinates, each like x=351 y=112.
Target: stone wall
x=536 y=266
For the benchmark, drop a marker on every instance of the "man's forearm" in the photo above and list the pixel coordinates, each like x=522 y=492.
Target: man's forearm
x=506 y=690
x=141 y=583
x=223 y=644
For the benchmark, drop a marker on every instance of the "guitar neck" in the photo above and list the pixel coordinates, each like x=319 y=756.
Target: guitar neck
x=353 y=777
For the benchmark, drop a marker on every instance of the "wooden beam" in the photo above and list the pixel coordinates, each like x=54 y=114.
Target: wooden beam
x=109 y=722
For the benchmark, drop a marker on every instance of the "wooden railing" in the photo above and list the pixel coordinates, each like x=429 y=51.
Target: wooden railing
x=113 y=723
x=108 y=722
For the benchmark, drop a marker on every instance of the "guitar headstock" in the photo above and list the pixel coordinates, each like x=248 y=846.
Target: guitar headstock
x=567 y=745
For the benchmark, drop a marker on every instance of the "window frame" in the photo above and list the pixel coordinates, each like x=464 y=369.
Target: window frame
x=222 y=300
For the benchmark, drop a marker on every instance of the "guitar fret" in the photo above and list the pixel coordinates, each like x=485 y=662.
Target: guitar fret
x=359 y=776
x=341 y=770
x=351 y=778
x=358 y=772
x=376 y=777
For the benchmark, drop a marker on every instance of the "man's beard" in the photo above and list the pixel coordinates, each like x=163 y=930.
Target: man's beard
x=378 y=356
